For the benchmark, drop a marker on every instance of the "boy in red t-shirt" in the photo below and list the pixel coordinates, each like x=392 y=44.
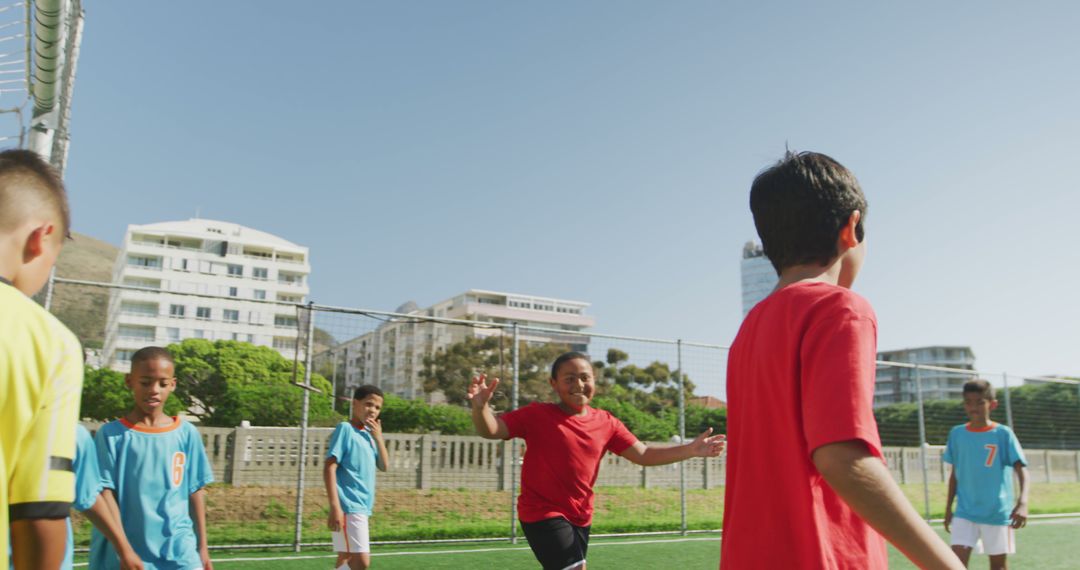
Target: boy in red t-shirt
x=564 y=444
x=806 y=483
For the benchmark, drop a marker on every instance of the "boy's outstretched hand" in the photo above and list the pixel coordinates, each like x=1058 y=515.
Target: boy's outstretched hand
x=705 y=446
x=480 y=392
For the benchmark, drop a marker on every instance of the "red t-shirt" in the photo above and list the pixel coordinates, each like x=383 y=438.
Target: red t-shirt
x=562 y=458
x=800 y=375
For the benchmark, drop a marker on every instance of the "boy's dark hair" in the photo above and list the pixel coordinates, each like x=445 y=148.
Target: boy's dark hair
x=800 y=204
x=18 y=167
x=150 y=353
x=365 y=391
x=981 y=387
x=567 y=357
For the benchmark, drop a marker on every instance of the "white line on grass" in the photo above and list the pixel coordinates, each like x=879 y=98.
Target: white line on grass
x=520 y=548
x=463 y=551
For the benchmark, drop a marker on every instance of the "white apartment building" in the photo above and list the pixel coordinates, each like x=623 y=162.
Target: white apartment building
x=895 y=385
x=758 y=276
x=392 y=356
x=242 y=265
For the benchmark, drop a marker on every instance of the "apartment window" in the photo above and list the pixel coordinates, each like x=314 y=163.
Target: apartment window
x=199 y=333
x=176 y=311
x=173 y=334
x=141 y=261
x=260 y=294
x=202 y=313
x=136 y=332
x=124 y=355
x=236 y=336
x=233 y=291
x=260 y=273
x=284 y=321
x=231 y=316
x=236 y=270
x=183 y=265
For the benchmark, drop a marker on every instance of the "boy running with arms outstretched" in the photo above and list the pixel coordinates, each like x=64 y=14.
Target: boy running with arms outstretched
x=564 y=444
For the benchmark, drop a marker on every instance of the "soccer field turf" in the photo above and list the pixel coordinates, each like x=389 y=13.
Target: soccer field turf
x=1044 y=544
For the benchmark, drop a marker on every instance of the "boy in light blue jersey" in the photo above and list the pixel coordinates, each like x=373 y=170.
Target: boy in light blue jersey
x=99 y=508
x=984 y=454
x=356 y=449
x=157 y=468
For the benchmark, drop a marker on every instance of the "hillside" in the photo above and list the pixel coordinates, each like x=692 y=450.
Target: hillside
x=83 y=309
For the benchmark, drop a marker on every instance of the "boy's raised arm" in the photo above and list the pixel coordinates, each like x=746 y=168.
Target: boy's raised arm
x=375 y=427
x=864 y=483
x=702 y=446
x=487 y=425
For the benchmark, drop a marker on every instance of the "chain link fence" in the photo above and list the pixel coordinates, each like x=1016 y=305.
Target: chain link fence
x=445 y=484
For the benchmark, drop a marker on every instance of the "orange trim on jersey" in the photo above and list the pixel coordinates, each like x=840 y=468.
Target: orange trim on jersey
x=989 y=427
x=144 y=429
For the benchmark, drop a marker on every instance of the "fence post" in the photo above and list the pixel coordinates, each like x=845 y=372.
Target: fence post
x=424 y=469
x=513 y=444
x=923 y=443
x=682 y=435
x=302 y=452
x=705 y=469
x=1008 y=401
x=504 y=468
x=1047 y=467
x=239 y=444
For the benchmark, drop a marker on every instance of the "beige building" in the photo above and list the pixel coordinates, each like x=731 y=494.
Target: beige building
x=392 y=355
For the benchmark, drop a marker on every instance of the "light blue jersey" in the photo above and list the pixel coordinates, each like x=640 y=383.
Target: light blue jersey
x=153 y=471
x=355 y=452
x=88 y=484
x=983 y=461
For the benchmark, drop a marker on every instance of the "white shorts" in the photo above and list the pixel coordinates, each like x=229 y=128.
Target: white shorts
x=989 y=539
x=355 y=538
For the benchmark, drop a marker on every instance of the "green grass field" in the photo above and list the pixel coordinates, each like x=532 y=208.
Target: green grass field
x=1044 y=544
x=262 y=515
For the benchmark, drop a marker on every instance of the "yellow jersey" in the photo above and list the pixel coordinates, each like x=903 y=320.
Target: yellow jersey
x=41 y=376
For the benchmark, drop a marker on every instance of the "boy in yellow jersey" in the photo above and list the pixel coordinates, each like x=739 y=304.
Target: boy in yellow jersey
x=40 y=368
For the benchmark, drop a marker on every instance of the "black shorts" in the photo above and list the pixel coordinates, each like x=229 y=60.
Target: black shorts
x=556 y=543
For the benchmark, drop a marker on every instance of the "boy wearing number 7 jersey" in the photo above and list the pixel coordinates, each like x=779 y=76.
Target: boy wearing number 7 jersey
x=157 y=468
x=984 y=454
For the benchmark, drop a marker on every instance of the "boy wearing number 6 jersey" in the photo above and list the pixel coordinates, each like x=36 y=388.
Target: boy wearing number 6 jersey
x=156 y=467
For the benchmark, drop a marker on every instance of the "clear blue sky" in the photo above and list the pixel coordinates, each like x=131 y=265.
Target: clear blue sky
x=603 y=151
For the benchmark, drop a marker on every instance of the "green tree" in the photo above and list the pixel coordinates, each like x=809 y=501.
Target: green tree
x=414 y=416
x=106 y=397
x=451 y=369
x=224 y=382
